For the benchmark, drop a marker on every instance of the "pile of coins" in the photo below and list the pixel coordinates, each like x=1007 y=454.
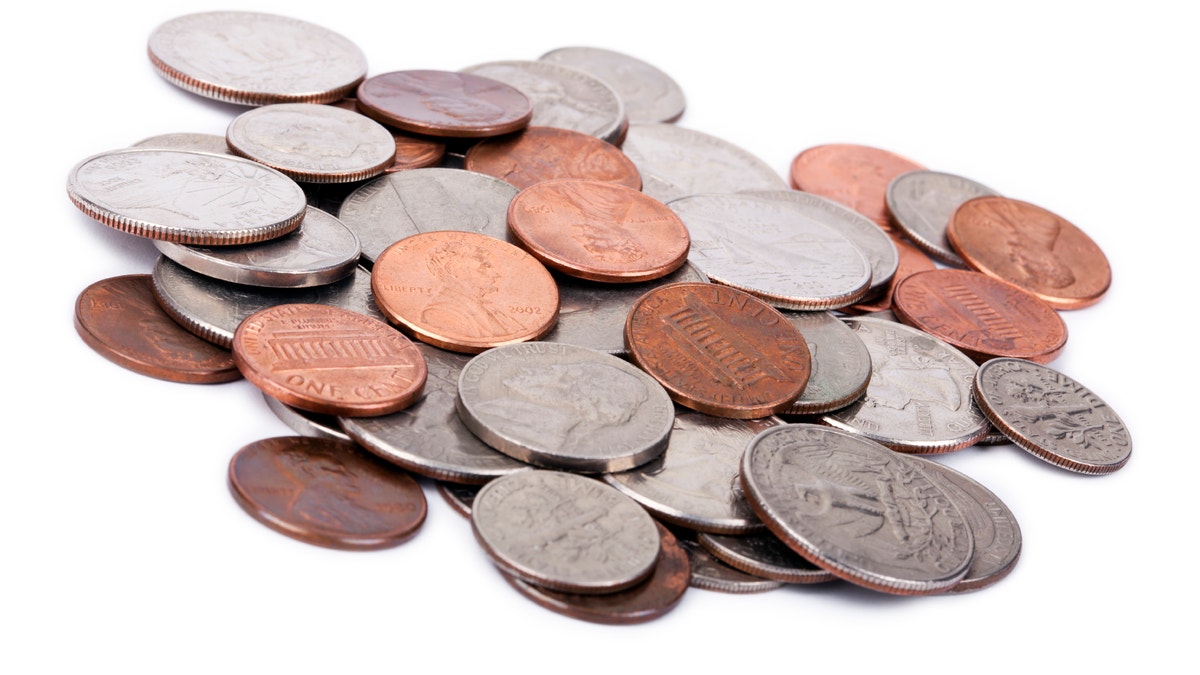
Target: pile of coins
x=610 y=339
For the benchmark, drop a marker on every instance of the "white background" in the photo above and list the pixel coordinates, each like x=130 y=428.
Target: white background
x=124 y=550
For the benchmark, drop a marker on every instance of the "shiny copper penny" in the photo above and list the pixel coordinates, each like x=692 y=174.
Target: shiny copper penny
x=648 y=600
x=442 y=103
x=326 y=492
x=981 y=317
x=718 y=350
x=121 y=320
x=1026 y=245
x=598 y=231
x=912 y=260
x=547 y=153
x=854 y=175
x=329 y=360
x=464 y=291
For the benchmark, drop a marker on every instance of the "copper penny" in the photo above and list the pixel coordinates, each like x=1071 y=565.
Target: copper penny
x=121 y=320
x=326 y=492
x=442 y=103
x=718 y=350
x=1031 y=247
x=329 y=360
x=854 y=175
x=412 y=152
x=648 y=600
x=548 y=153
x=598 y=231
x=980 y=316
x=464 y=291
x=912 y=260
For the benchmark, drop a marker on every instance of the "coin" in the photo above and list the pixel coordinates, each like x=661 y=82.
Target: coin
x=326 y=492
x=304 y=422
x=711 y=574
x=548 y=153
x=120 y=319
x=763 y=555
x=912 y=260
x=921 y=204
x=841 y=364
x=412 y=152
x=459 y=497
x=649 y=94
x=329 y=360
x=444 y=104
x=854 y=175
x=187 y=141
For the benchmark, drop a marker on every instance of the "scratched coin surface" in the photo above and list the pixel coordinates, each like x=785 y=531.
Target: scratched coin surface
x=921 y=204
x=763 y=554
x=548 y=153
x=649 y=94
x=982 y=317
x=857 y=509
x=841 y=364
x=329 y=360
x=855 y=175
x=565 y=407
x=120 y=319
x=1028 y=246
x=186 y=197
x=464 y=291
x=326 y=492
x=1052 y=416
x=444 y=104
x=718 y=350
x=256 y=59
x=598 y=231
x=565 y=532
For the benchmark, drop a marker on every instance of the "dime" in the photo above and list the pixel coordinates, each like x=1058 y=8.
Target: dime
x=649 y=94
x=1052 y=416
x=120 y=319
x=599 y=231
x=763 y=555
x=711 y=574
x=1028 y=246
x=565 y=532
x=841 y=364
x=854 y=175
x=326 y=492
x=256 y=59
x=857 y=509
x=921 y=204
x=718 y=350
x=304 y=422
x=548 y=153
x=329 y=360
x=444 y=104
x=565 y=407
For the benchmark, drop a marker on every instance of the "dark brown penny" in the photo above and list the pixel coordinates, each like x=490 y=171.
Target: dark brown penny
x=326 y=492
x=464 y=291
x=648 y=600
x=854 y=175
x=1028 y=246
x=598 y=231
x=980 y=316
x=442 y=103
x=329 y=360
x=548 y=153
x=718 y=350
x=121 y=320
x=912 y=260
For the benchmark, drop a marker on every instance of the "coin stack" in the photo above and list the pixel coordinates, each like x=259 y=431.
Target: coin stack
x=630 y=352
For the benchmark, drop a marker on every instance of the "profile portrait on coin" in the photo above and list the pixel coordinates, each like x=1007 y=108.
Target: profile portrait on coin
x=600 y=227
x=326 y=492
x=1031 y=245
x=463 y=300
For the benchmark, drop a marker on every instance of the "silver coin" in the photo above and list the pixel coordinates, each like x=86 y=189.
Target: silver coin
x=565 y=407
x=919 y=397
x=993 y=526
x=562 y=96
x=428 y=438
x=764 y=555
x=305 y=423
x=841 y=364
x=213 y=309
x=770 y=250
x=592 y=314
x=410 y=202
x=459 y=497
x=256 y=59
x=1052 y=416
x=187 y=141
x=565 y=532
x=649 y=94
x=711 y=574
x=675 y=162
x=321 y=251
x=186 y=197
x=921 y=203
x=857 y=509
x=695 y=483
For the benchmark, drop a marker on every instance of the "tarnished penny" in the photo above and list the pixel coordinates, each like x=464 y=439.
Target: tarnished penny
x=444 y=104
x=598 y=231
x=648 y=600
x=1030 y=247
x=718 y=350
x=121 y=320
x=548 y=153
x=326 y=492
x=1052 y=416
x=982 y=317
x=329 y=360
x=854 y=175
x=464 y=291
